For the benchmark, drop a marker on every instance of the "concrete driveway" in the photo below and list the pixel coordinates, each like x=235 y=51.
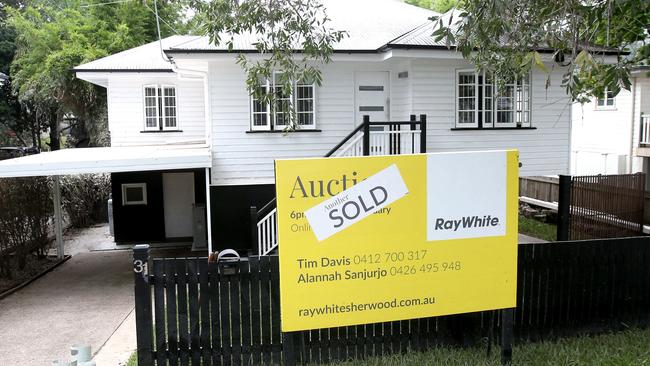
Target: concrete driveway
x=83 y=301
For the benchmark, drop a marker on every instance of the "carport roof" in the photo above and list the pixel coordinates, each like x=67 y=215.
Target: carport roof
x=107 y=160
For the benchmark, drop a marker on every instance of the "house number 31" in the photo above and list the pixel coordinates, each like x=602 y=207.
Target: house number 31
x=139 y=266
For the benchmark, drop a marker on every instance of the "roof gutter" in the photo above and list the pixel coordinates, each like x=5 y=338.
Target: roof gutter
x=122 y=70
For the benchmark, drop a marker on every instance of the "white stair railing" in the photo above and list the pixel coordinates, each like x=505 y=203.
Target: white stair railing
x=352 y=148
x=267 y=233
x=389 y=139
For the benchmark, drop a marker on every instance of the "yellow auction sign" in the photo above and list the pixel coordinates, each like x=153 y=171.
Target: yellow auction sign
x=374 y=239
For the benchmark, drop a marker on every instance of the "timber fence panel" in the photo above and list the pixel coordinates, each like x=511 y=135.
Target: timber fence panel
x=212 y=314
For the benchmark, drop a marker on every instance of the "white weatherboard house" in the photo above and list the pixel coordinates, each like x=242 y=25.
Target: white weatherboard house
x=388 y=68
x=611 y=134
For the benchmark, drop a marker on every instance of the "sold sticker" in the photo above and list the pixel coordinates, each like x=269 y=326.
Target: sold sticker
x=356 y=203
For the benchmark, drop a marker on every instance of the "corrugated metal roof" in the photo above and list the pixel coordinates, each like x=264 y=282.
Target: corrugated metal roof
x=107 y=160
x=370 y=25
x=422 y=35
x=143 y=58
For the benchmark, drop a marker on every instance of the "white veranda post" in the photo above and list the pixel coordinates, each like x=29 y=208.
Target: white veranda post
x=58 y=221
x=208 y=213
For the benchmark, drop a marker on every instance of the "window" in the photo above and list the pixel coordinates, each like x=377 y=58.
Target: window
x=266 y=117
x=480 y=104
x=608 y=101
x=134 y=194
x=160 y=111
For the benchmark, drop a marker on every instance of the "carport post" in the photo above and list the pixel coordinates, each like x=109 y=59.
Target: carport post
x=58 y=225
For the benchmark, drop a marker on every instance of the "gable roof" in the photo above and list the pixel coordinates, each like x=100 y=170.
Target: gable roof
x=143 y=58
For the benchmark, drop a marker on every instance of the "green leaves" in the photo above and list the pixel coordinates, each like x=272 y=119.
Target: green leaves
x=290 y=36
x=586 y=39
x=52 y=37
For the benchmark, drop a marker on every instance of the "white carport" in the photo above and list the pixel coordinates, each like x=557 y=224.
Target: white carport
x=108 y=160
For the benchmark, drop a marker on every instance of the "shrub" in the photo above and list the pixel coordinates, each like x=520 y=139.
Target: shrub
x=26 y=208
x=84 y=198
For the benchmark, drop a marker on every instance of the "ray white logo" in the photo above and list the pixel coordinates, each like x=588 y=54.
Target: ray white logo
x=466 y=195
x=354 y=204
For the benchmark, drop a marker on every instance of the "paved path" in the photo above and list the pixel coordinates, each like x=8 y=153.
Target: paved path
x=117 y=350
x=82 y=301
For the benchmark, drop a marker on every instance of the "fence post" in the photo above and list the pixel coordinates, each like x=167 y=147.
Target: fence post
x=144 y=324
x=642 y=203
x=289 y=348
x=366 y=135
x=423 y=133
x=564 y=208
x=413 y=122
x=254 y=218
x=507 y=330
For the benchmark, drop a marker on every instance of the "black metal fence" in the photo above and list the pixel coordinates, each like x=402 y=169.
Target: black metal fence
x=601 y=206
x=189 y=311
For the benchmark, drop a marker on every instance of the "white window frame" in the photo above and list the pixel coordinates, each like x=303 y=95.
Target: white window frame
x=520 y=104
x=311 y=126
x=161 y=117
x=605 y=99
x=457 y=96
x=142 y=186
x=267 y=126
x=164 y=119
x=271 y=113
x=144 y=103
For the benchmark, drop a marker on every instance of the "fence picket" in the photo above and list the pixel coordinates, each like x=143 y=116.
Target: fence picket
x=193 y=301
x=246 y=332
x=159 y=311
x=224 y=315
x=204 y=306
x=182 y=308
x=265 y=294
x=235 y=314
x=172 y=315
x=256 y=325
x=215 y=310
x=276 y=333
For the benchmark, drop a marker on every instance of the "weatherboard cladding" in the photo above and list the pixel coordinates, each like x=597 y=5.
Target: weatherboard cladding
x=241 y=158
x=126 y=110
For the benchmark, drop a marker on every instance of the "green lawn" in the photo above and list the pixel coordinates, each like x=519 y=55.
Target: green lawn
x=133 y=361
x=624 y=348
x=537 y=229
x=631 y=348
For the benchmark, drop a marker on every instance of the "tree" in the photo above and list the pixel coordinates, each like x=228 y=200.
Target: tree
x=441 y=6
x=292 y=35
x=598 y=40
x=17 y=124
x=54 y=36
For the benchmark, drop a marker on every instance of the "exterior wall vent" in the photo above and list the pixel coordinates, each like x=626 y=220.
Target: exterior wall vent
x=403 y=75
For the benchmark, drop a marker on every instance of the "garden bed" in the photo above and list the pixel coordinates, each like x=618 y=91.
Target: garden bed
x=34 y=268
